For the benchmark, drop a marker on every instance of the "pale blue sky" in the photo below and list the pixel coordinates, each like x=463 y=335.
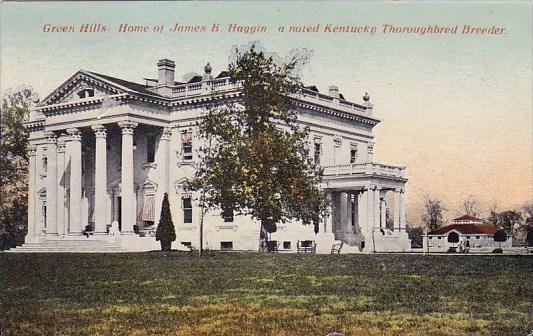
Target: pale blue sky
x=456 y=109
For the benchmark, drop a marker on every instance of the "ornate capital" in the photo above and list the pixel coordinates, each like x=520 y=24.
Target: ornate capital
x=33 y=150
x=74 y=133
x=99 y=131
x=51 y=137
x=166 y=133
x=128 y=127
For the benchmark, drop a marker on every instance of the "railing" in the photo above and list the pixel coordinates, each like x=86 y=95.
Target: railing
x=224 y=84
x=365 y=169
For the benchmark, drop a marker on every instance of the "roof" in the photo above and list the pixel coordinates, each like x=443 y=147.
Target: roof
x=130 y=85
x=466 y=229
x=467 y=218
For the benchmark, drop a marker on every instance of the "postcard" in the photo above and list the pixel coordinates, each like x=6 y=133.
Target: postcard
x=266 y=168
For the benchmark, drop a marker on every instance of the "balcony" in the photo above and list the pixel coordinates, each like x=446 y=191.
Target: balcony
x=365 y=170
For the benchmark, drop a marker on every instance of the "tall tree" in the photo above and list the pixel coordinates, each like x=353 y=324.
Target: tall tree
x=165 y=232
x=433 y=215
x=257 y=161
x=14 y=166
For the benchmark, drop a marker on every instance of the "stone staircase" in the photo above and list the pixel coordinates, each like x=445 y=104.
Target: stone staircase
x=79 y=245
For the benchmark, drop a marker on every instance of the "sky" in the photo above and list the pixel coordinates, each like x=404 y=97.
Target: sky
x=456 y=108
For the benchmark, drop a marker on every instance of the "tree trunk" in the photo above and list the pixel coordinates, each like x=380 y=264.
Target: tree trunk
x=263 y=238
x=165 y=245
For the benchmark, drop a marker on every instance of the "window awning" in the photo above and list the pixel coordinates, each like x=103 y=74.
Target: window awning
x=148 y=209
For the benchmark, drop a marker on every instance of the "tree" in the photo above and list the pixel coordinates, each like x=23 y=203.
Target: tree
x=14 y=166
x=165 y=232
x=416 y=234
x=433 y=215
x=508 y=219
x=471 y=206
x=257 y=161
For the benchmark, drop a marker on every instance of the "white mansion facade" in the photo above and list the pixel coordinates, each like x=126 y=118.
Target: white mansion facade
x=104 y=149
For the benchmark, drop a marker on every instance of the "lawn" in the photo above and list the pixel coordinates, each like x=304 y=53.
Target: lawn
x=254 y=294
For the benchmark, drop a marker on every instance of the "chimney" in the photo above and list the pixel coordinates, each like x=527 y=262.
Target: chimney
x=334 y=91
x=165 y=69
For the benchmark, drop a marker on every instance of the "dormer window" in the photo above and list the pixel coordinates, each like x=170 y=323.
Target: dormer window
x=86 y=93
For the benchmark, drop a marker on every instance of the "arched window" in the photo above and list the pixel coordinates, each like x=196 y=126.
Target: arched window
x=86 y=93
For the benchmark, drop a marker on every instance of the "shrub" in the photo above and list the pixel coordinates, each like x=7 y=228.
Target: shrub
x=497 y=250
x=165 y=232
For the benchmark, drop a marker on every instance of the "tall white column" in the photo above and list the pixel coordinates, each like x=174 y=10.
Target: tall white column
x=100 y=179
x=61 y=186
x=370 y=207
x=75 y=226
x=397 y=209
x=165 y=148
x=402 y=210
x=32 y=194
x=383 y=214
x=128 y=194
x=51 y=184
x=344 y=212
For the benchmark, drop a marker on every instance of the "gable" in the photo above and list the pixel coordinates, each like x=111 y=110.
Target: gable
x=78 y=87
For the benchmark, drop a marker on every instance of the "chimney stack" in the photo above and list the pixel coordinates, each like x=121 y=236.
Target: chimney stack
x=165 y=69
x=334 y=91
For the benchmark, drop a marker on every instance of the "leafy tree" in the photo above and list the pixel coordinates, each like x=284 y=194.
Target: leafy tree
x=416 y=234
x=257 y=159
x=508 y=219
x=165 y=232
x=14 y=166
x=433 y=215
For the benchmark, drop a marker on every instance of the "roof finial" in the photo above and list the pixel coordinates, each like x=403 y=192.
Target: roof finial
x=208 y=68
x=366 y=97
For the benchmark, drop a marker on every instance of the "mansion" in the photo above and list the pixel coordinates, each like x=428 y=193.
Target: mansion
x=105 y=150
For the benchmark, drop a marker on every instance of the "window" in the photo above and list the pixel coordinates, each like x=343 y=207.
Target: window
x=45 y=164
x=226 y=245
x=150 y=149
x=187 y=210
x=86 y=93
x=227 y=213
x=318 y=150
x=43 y=213
x=286 y=245
x=353 y=153
x=439 y=237
x=186 y=145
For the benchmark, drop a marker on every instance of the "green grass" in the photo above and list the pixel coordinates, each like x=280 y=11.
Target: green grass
x=253 y=294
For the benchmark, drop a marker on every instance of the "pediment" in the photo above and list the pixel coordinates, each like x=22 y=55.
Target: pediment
x=83 y=85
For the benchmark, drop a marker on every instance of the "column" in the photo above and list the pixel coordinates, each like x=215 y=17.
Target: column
x=51 y=184
x=397 y=209
x=343 y=227
x=32 y=193
x=100 y=179
x=355 y=214
x=362 y=209
x=75 y=226
x=383 y=214
x=370 y=207
x=165 y=148
x=61 y=186
x=402 y=210
x=377 y=201
x=128 y=194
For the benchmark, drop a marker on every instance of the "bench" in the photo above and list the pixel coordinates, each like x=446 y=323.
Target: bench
x=306 y=246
